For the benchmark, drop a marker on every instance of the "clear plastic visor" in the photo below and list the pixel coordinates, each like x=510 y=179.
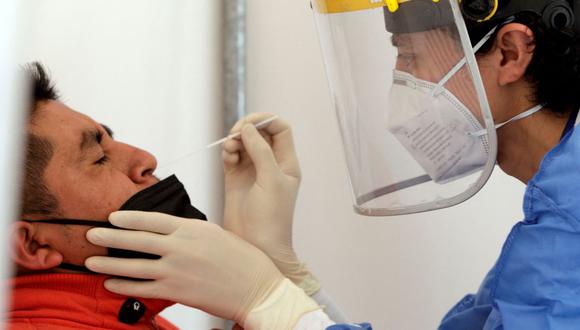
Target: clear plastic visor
x=415 y=123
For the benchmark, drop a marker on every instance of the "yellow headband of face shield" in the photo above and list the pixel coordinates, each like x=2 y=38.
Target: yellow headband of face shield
x=343 y=6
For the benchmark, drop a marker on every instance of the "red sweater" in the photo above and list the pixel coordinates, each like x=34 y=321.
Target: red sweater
x=78 y=301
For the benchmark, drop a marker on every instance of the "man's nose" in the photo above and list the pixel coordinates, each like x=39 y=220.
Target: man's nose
x=141 y=168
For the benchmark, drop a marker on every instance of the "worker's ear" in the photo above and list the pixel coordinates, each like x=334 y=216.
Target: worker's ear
x=515 y=45
x=29 y=248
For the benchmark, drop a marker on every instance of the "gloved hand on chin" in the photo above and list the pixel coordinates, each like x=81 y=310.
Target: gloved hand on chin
x=262 y=177
x=202 y=266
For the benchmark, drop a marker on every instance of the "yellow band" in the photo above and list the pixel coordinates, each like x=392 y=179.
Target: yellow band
x=343 y=6
x=493 y=12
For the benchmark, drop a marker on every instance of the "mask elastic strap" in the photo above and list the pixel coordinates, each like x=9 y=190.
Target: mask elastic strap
x=91 y=223
x=78 y=222
x=76 y=268
x=521 y=116
x=461 y=63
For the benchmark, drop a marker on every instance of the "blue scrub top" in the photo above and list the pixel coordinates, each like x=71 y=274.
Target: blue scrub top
x=535 y=284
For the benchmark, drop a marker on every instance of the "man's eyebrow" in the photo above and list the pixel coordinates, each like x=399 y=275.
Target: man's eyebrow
x=399 y=40
x=108 y=130
x=395 y=40
x=90 y=138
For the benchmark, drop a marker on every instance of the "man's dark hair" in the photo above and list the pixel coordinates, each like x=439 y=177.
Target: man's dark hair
x=36 y=198
x=555 y=68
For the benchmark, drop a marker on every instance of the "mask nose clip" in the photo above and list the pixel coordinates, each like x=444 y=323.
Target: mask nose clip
x=404 y=79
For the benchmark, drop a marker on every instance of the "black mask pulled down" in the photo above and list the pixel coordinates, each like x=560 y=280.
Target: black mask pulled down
x=167 y=196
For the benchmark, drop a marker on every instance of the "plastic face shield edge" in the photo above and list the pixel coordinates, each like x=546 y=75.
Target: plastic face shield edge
x=409 y=99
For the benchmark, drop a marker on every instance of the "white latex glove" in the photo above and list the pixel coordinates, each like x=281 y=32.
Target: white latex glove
x=201 y=265
x=262 y=177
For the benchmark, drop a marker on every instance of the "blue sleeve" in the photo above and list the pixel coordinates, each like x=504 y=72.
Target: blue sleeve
x=359 y=326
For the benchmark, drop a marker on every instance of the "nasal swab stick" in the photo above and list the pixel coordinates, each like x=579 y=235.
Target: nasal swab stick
x=259 y=125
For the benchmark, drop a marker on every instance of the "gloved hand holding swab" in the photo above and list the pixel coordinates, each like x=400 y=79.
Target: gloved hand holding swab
x=259 y=125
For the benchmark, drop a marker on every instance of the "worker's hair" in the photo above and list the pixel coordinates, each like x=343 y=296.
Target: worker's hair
x=36 y=198
x=555 y=68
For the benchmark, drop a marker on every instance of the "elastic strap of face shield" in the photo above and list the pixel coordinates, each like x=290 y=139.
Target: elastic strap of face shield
x=559 y=15
x=422 y=15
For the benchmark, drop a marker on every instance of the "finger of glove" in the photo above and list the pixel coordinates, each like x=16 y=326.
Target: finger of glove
x=280 y=135
x=252 y=118
x=233 y=146
x=232 y=153
x=278 y=131
x=147 y=289
x=147 y=221
x=259 y=150
x=135 y=268
x=141 y=241
x=283 y=144
x=229 y=159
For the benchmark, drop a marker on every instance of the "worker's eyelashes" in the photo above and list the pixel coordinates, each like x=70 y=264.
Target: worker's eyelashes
x=102 y=161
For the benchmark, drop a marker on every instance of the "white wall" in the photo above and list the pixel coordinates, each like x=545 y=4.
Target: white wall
x=10 y=127
x=398 y=273
x=151 y=70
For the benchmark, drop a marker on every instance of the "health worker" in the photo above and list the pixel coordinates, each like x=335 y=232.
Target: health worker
x=430 y=96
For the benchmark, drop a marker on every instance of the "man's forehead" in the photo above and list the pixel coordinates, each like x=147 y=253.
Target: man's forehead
x=62 y=126
x=55 y=116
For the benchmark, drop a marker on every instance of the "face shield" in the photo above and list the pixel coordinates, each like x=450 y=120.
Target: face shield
x=416 y=127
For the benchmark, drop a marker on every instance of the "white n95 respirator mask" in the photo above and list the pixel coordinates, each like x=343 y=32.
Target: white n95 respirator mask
x=436 y=128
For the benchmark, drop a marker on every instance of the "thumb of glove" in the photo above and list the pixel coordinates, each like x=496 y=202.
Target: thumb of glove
x=259 y=150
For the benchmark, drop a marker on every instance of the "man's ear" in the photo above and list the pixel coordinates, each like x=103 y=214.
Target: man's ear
x=516 y=44
x=29 y=250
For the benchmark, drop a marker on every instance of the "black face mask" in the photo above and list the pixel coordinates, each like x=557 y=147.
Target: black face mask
x=167 y=196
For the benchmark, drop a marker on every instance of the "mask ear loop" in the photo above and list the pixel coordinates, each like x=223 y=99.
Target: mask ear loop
x=521 y=116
